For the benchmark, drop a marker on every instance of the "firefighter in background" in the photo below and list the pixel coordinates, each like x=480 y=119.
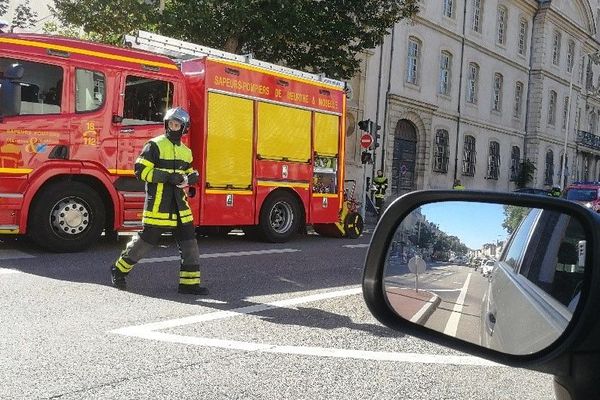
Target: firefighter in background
x=165 y=164
x=555 y=191
x=458 y=185
x=380 y=184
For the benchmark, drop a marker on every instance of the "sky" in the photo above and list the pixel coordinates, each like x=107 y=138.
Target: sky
x=474 y=223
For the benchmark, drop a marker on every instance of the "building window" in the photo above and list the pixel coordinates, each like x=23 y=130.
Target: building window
x=477 y=13
x=523 y=25
x=445 y=69
x=565 y=112
x=518 y=100
x=552 y=108
x=497 y=100
x=515 y=163
x=549 y=172
x=570 y=56
x=556 y=39
x=593 y=122
x=469 y=156
x=414 y=53
x=472 y=83
x=449 y=8
x=441 y=151
x=493 y=161
x=501 y=25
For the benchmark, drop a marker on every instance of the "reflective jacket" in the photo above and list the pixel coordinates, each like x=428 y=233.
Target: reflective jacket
x=381 y=184
x=165 y=203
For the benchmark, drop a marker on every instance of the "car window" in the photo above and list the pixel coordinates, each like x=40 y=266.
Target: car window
x=519 y=240
x=552 y=263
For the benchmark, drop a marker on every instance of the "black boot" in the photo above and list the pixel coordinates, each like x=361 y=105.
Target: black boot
x=118 y=278
x=193 y=289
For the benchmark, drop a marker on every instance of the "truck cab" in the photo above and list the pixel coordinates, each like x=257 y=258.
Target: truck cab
x=585 y=193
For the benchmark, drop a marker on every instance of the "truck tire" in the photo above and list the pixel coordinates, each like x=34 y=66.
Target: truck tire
x=279 y=217
x=66 y=217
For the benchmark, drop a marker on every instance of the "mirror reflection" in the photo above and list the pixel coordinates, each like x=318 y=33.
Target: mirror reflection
x=504 y=277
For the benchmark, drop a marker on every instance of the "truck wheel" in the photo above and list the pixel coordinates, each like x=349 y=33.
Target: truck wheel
x=353 y=225
x=279 y=217
x=66 y=217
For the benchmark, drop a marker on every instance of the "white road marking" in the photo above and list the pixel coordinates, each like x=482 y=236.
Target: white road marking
x=219 y=255
x=356 y=246
x=10 y=254
x=452 y=325
x=149 y=331
x=6 y=271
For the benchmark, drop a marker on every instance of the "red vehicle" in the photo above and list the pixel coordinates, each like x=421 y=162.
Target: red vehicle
x=585 y=193
x=268 y=141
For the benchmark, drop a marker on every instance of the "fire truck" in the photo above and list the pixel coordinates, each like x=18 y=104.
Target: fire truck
x=267 y=140
x=585 y=193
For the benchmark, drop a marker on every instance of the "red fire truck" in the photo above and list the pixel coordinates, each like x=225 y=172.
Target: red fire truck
x=267 y=140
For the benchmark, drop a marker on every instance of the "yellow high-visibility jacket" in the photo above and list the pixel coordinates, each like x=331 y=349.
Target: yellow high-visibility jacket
x=165 y=203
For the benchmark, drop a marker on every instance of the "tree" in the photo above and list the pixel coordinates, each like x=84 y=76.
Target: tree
x=513 y=215
x=24 y=16
x=318 y=36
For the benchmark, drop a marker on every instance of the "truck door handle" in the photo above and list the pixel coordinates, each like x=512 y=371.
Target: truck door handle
x=490 y=323
x=127 y=130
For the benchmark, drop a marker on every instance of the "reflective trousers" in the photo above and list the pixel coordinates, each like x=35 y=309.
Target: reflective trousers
x=149 y=237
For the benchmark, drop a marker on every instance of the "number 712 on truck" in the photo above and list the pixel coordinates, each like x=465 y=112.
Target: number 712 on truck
x=74 y=115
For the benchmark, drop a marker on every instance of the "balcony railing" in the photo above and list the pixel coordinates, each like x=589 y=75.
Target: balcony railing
x=588 y=139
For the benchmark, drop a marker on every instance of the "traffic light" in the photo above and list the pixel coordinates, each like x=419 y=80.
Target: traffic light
x=365 y=125
x=376 y=136
x=365 y=157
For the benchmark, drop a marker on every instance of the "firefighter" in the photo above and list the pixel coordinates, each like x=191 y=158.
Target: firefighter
x=165 y=166
x=380 y=184
x=555 y=191
x=458 y=185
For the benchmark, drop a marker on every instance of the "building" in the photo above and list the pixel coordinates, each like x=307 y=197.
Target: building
x=469 y=89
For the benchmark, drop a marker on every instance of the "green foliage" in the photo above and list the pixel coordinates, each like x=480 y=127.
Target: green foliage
x=513 y=215
x=318 y=36
x=526 y=171
x=3 y=7
x=104 y=20
x=24 y=17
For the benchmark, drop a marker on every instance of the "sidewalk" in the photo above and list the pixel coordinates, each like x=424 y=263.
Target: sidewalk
x=413 y=306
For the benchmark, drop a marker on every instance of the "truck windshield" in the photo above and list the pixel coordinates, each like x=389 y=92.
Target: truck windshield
x=582 y=194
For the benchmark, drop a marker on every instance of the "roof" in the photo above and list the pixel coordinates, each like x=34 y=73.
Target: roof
x=87 y=47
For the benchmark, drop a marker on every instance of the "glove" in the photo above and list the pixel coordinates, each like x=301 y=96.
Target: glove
x=193 y=178
x=175 y=178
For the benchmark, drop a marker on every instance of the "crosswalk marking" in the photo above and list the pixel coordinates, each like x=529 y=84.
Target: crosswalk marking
x=219 y=255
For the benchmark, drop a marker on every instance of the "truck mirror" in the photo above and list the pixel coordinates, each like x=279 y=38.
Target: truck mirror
x=10 y=90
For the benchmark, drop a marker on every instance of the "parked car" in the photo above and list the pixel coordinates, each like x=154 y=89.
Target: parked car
x=487 y=267
x=585 y=193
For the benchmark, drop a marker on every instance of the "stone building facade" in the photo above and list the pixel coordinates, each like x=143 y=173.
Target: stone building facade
x=469 y=89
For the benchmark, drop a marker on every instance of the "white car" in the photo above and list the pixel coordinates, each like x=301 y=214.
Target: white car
x=486 y=269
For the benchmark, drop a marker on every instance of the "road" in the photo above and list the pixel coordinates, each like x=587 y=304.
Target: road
x=284 y=321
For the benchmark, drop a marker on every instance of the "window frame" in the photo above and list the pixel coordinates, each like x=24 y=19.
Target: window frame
x=410 y=68
x=566 y=106
x=518 y=105
x=515 y=163
x=497 y=89
x=501 y=24
x=441 y=152
x=472 y=83
x=523 y=36
x=493 y=170
x=549 y=168
x=469 y=155
x=552 y=99
x=556 y=47
x=570 y=55
x=448 y=7
x=138 y=122
x=477 y=16
x=445 y=74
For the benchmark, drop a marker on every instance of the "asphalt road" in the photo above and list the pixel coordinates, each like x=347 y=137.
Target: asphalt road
x=283 y=321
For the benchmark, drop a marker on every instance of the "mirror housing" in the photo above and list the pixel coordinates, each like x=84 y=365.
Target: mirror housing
x=579 y=338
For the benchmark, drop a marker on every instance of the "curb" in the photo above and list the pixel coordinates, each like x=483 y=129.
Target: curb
x=425 y=312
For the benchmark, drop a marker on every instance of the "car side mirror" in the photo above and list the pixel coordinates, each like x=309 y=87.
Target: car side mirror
x=532 y=302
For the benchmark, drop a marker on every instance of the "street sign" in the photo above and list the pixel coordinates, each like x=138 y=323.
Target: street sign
x=416 y=265
x=366 y=140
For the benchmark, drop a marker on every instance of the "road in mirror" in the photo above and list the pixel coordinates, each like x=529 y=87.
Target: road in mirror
x=504 y=277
